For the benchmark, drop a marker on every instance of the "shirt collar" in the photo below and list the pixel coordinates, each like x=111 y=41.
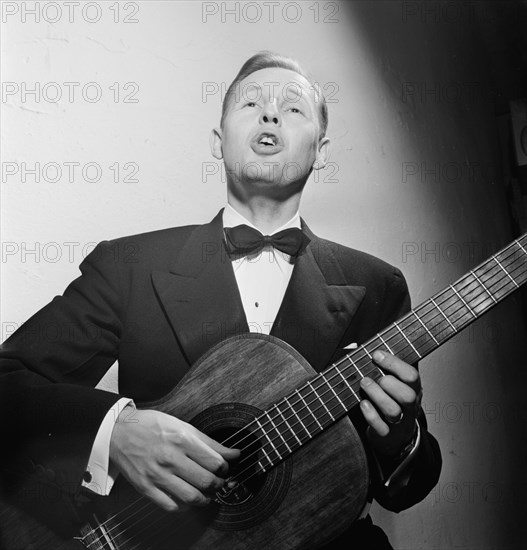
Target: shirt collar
x=232 y=217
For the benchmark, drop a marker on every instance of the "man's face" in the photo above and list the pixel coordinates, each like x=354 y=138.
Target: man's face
x=270 y=135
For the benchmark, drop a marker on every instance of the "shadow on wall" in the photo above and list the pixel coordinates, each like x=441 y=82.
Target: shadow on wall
x=439 y=77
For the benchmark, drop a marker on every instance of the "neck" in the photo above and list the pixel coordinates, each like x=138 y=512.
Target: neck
x=266 y=214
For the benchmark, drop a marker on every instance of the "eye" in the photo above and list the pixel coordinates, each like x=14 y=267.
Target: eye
x=295 y=110
x=250 y=104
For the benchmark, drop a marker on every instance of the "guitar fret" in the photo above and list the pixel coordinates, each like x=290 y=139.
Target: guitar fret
x=320 y=399
x=425 y=327
x=387 y=346
x=464 y=303
x=443 y=314
x=335 y=393
x=299 y=418
x=379 y=372
x=354 y=365
x=347 y=383
x=520 y=245
x=267 y=456
x=505 y=271
x=270 y=443
x=287 y=424
x=404 y=336
x=484 y=287
x=278 y=432
x=307 y=407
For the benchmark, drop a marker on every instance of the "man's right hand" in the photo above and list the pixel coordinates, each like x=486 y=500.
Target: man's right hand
x=169 y=461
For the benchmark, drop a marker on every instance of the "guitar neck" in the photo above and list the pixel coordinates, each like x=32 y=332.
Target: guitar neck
x=329 y=396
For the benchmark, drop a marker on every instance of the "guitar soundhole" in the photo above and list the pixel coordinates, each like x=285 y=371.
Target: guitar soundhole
x=250 y=482
x=257 y=495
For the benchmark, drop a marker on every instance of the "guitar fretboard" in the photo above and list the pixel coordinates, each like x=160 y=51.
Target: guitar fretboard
x=330 y=395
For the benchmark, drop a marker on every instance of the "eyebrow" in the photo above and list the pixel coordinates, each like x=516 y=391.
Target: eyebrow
x=296 y=98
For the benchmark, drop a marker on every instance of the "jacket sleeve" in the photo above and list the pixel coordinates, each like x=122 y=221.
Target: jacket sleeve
x=422 y=473
x=50 y=411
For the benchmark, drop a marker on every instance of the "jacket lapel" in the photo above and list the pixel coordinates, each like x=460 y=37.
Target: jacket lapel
x=199 y=294
x=201 y=299
x=319 y=303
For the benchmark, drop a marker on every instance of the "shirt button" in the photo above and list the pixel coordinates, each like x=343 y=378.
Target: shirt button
x=256 y=304
x=86 y=477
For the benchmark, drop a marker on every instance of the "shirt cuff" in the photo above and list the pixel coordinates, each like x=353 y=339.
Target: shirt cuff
x=100 y=475
x=402 y=468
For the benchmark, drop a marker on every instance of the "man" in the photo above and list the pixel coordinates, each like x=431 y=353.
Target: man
x=156 y=302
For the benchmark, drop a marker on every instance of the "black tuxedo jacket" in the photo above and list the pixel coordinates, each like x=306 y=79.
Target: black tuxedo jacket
x=156 y=302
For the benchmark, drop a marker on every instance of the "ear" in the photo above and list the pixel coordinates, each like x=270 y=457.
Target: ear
x=215 y=138
x=322 y=154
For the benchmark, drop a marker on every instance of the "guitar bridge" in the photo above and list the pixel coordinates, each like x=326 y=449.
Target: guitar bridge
x=96 y=538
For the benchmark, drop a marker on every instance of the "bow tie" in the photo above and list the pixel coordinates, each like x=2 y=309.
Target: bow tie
x=242 y=240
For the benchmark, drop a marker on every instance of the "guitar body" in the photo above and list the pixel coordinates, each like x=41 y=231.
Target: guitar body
x=303 y=499
x=303 y=502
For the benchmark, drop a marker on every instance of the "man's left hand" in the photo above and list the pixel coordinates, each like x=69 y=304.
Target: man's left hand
x=392 y=404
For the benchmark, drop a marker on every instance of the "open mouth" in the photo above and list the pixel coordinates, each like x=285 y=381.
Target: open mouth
x=268 y=139
x=267 y=143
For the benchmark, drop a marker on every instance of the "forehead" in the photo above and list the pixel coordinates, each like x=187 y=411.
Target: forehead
x=275 y=82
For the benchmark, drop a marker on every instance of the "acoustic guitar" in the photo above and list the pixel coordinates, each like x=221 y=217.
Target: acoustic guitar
x=301 y=456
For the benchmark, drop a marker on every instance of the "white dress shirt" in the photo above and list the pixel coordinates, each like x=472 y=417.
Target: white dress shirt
x=263 y=277
x=262 y=280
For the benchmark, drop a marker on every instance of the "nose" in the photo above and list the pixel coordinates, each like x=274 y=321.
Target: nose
x=270 y=114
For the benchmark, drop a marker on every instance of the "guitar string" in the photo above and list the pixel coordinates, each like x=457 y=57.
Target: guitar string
x=334 y=408
x=449 y=306
x=465 y=314
x=364 y=356
x=171 y=533
x=492 y=275
x=494 y=270
x=336 y=365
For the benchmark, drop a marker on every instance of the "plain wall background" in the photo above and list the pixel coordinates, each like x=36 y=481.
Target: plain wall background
x=415 y=179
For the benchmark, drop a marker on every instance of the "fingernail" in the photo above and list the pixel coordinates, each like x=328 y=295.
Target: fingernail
x=365 y=405
x=378 y=355
x=366 y=381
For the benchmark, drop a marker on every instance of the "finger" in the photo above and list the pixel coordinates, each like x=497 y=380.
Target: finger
x=157 y=497
x=181 y=491
x=405 y=372
x=198 y=450
x=225 y=452
x=374 y=419
x=199 y=477
x=402 y=393
x=387 y=406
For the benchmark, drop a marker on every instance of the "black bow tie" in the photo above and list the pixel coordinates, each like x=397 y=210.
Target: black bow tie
x=242 y=240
